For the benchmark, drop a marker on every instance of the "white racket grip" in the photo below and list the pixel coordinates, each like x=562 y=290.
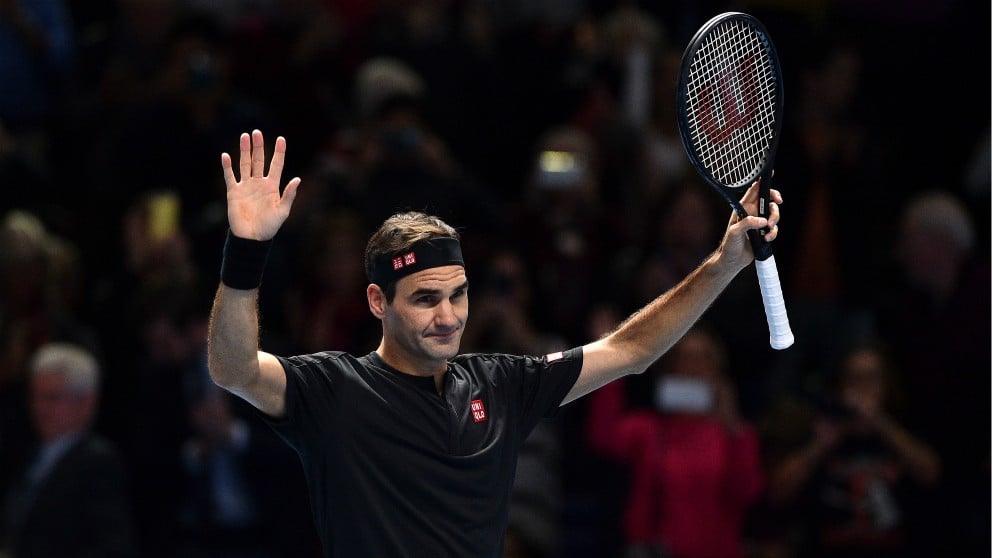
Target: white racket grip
x=771 y=294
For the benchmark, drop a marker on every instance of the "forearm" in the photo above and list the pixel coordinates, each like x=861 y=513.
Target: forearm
x=232 y=341
x=654 y=329
x=790 y=476
x=922 y=461
x=648 y=333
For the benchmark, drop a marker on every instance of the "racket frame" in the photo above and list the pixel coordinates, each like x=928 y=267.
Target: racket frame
x=763 y=173
x=780 y=333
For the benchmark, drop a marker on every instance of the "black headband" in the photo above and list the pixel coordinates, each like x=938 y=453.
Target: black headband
x=423 y=254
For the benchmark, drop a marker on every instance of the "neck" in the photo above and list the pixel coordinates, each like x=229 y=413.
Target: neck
x=412 y=366
x=421 y=369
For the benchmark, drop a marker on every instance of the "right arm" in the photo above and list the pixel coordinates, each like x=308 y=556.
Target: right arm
x=787 y=480
x=255 y=211
x=233 y=357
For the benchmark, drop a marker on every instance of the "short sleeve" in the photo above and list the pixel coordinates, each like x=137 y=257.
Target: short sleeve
x=544 y=383
x=310 y=395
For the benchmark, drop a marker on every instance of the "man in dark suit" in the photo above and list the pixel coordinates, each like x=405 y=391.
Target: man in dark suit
x=71 y=497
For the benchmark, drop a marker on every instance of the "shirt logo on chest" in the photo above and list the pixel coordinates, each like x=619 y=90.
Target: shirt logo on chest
x=478 y=411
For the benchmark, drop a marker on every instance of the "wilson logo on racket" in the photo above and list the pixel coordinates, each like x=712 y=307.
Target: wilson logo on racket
x=734 y=87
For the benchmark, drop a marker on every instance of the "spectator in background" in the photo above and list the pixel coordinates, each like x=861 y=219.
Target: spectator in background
x=39 y=282
x=935 y=318
x=502 y=315
x=681 y=224
x=858 y=478
x=238 y=482
x=137 y=288
x=623 y=119
x=37 y=46
x=191 y=99
x=168 y=344
x=208 y=473
x=37 y=42
x=694 y=462
x=684 y=224
x=72 y=497
x=665 y=157
x=564 y=228
x=402 y=162
x=829 y=266
x=322 y=311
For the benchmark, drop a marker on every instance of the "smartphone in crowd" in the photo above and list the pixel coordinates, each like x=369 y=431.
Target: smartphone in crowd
x=163 y=215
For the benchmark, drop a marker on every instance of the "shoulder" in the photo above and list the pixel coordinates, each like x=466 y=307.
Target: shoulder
x=324 y=359
x=94 y=453
x=326 y=363
x=97 y=445
x=507 y=361
x=485 y=359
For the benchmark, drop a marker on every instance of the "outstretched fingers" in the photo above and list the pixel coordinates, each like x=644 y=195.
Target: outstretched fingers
x=289 y=193
x=244 y=162
x=278 y=157
x=257 y=154
x=225 y=163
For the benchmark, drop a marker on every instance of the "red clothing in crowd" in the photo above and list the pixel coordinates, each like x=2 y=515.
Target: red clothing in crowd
x=692 y=478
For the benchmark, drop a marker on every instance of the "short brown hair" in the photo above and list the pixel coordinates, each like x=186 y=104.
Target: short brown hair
x=398 y=233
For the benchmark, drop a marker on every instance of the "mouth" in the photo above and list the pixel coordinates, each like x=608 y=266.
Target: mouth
x=444 y=337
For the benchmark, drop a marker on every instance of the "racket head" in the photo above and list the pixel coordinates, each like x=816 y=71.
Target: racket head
x=729 y=103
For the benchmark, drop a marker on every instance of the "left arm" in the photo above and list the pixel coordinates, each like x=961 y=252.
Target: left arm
x=652 y=330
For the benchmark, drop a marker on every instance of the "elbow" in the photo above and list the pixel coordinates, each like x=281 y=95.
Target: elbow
x=220 y=375
x=629 y=358
x=228 y=374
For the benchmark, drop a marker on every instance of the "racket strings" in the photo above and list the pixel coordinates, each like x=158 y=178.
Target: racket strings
x=731 y=103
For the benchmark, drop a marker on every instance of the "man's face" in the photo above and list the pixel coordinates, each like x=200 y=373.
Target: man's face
x=56 y=408
x=423 y=325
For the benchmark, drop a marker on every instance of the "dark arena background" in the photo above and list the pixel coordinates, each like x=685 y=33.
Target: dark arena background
x=545 y=132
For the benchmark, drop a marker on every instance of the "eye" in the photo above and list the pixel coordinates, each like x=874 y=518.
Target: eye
x=426 y=299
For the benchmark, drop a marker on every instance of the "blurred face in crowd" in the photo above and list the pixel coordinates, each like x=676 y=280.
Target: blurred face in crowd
x=423 y=325
x=56 y=407
x=696 y=357
x=863 y=381
x=689 y=224
x=929 y=258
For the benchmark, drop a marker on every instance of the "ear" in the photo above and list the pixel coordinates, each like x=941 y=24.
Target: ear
x=377 y=300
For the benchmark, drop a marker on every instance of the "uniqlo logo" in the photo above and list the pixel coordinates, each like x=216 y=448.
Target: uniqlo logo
x=397 y=263
x=410 y=259
x=478 y=410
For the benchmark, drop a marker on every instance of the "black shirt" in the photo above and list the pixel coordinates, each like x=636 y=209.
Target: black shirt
x=395 y=469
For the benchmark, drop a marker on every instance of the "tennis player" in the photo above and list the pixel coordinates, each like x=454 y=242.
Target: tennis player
x=411 y=449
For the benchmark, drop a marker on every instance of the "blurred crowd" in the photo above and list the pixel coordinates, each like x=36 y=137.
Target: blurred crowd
x=545 y=132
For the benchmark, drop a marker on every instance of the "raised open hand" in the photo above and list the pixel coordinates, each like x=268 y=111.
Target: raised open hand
x=255 y=208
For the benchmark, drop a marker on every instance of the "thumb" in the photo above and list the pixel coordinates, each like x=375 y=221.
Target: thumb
x=289 y=194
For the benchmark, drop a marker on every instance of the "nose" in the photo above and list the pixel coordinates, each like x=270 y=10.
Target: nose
x=445 y=318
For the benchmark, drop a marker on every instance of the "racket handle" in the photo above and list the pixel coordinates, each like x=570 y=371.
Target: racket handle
x=771 y=294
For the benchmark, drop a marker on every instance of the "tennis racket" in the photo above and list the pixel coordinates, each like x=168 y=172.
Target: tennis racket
x=730 y=100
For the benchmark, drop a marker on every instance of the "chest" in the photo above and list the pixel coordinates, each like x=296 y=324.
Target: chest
x=688 y=454
x=390 y=418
